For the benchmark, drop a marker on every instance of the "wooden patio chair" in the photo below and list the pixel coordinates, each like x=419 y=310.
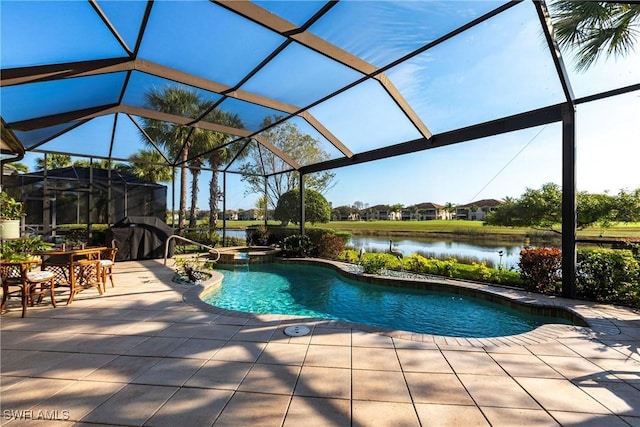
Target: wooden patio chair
x=107 y=261
x=30 y=283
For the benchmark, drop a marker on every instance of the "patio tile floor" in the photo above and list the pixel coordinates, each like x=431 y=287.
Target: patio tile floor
x=145 y=353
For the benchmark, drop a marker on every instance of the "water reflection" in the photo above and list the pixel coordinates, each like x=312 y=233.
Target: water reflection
x=482 y=250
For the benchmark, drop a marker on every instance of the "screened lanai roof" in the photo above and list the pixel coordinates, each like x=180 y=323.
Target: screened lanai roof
x=367 y=79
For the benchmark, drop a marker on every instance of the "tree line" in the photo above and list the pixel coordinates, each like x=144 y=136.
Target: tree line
x=542 y=208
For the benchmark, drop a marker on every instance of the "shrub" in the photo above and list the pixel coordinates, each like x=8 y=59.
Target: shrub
x=609 y=275
x=193 y=269
x=203 y=236
x=374 y=263
x=417 y=263
x=22 y=248
x=506 y=277
x=297 y=246
x=541 y=268
x=481 y=271
x=349 y=255
x=330 y=246
x=258 y=235
x=421 y=264
x=446 y=267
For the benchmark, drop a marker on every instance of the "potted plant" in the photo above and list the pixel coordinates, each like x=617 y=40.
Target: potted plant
x=23 y=248
x=10 y=215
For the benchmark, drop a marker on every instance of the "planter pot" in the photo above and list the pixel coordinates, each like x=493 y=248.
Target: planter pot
x=9 y=229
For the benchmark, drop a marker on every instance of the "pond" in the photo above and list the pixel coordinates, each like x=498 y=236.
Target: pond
x=483 y=250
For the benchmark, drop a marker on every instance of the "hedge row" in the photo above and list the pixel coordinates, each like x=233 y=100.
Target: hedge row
x=607 y=275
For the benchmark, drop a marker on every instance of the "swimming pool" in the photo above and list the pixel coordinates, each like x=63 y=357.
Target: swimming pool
x=320 y=292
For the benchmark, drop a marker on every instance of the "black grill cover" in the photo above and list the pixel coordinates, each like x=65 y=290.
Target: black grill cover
x=140 y=237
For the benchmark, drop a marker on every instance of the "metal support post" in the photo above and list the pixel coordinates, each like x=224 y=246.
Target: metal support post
x=569 y=213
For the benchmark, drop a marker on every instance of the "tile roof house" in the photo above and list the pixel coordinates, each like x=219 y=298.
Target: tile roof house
x=478 y=209
x=429 y=210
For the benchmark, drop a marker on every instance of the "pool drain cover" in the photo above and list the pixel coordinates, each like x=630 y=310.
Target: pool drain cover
x=296 y=331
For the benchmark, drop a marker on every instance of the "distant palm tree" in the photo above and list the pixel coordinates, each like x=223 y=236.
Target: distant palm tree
x=149 y=165
x=99 y=164
x=450 y=208
x=591 y=27
x=54 y=161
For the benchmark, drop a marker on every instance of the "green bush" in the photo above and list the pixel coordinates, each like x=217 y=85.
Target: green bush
x=258 y=235
x=482 y=273
x=297 y=246
x=374 y=263
x=330 y=246
x=541 y=269
x=203 y=236
x=421 y=264
x=609 y=275
x=20 y=249
x=315 y=234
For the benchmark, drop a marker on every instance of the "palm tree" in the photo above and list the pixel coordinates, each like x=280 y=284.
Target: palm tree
x=209 y=147
x=100 y=164
x=591 y=27
x=54 y=161
x=19 y=167
x=450 y=208
x=148 y=165
x=195 y=165
x=220 y=155
x=175 y=139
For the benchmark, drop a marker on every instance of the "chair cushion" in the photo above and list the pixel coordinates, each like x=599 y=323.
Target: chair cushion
x=106 y=262
x=38 y=276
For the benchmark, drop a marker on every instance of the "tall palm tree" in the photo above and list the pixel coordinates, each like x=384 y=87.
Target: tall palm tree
x=195 y=165
x=54 y=161
x=591 y=27
x=175 y=139
x=149 y=165
x=209 y=147
x=220 y=155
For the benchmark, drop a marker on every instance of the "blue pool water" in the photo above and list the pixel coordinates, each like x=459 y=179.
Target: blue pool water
x=273 y=288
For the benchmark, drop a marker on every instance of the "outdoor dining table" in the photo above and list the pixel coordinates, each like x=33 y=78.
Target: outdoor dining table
x=77 y=269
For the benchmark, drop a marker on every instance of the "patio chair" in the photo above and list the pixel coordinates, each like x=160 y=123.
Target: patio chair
x=107 y=261
x=30 y=283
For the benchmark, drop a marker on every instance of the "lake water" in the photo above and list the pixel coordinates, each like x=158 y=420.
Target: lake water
x=482 y=250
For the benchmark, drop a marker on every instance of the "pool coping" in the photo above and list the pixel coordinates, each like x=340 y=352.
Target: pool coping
x=597 y=322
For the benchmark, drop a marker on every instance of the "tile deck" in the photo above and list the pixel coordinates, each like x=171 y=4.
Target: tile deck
x=149 y=352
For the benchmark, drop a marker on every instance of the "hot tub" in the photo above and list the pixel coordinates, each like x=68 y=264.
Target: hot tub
x=247 y=254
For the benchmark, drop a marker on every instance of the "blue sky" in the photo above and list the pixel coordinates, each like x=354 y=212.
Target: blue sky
x=496 y=69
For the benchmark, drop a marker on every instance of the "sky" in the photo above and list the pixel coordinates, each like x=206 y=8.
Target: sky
x=482 y=75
